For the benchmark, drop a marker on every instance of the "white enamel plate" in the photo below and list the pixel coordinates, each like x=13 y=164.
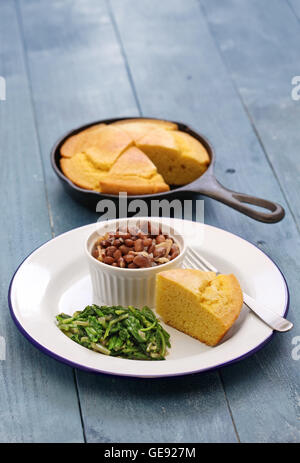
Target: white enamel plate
x=55 y=278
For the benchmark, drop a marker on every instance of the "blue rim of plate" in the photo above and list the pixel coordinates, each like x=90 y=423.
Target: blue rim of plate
x=93 y=370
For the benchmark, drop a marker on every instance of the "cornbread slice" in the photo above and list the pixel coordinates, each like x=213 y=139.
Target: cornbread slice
x=161 y=148
x=76 y=143
x=105 y=146
x=134 y=162
x=201 y=304
x=81 y=171
x=193 y=161
x=135 y=173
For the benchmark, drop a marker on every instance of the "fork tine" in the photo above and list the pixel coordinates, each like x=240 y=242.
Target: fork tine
x=189 y=262
x=198 y=262
x=193 y=265
x=193 y=261
x=209 y=266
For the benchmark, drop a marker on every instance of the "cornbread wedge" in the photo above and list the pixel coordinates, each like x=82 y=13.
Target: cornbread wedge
x=161 y=148
x=135 y=173
x=134 y=162
x=193 y=160
x=201 y=304
x=81 y=171
x=76 y=143
x=105 y=146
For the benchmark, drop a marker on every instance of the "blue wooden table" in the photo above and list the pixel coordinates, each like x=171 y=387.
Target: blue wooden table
x=226 y=68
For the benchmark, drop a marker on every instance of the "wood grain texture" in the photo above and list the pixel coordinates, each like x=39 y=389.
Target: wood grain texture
x=259 y=47
x=182 y=409
x=78 y=76
x=91 y=59
x=38 y=400
x=73 y=100
x=295 y=6
x=183 y=76
x=261 y=56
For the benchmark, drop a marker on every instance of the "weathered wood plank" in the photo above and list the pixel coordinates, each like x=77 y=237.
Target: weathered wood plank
x=79 y=75
x=259 y=47
x=295 y=5
x=182 y=409
x=182 y=76
x=38 y=400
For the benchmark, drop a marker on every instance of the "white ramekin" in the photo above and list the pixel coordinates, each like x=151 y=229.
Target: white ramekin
x=124 y=286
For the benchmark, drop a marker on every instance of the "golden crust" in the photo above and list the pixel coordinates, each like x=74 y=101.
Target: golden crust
x=76 y=143
x=149 y=122
x=82 y=172
x=105 y=146
x=133 y=185
x=191 y=148
x=134 y=162
x=198 y=303
x=157 y=139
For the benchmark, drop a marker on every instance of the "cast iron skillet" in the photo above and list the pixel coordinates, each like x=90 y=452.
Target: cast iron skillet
x=206 y=185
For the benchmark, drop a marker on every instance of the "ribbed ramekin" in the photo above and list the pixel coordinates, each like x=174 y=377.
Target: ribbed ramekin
x=124 y=286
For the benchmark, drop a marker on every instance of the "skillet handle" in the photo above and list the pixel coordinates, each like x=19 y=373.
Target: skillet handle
x=210 y=187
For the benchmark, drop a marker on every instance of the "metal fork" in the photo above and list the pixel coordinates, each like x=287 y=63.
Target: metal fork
x=274 y=321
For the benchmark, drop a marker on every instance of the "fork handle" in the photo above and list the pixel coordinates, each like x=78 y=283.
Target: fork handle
x=276 y=322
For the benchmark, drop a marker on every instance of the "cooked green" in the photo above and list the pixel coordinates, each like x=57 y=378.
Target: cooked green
x=125 y=332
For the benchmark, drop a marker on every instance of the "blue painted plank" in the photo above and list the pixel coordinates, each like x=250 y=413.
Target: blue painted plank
x=78 y=74
x=38 y=400
x=295 y=6
x=258 y=45
x=182 y=76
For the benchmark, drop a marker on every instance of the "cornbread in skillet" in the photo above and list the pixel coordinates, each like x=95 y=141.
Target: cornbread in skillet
x=201 y=304
x=162 y=156
x=81 y=171
x=135 y=173
x=105 y=146
x=178 y=156
x=193 y=160
x=76 y=143
x=160 y=146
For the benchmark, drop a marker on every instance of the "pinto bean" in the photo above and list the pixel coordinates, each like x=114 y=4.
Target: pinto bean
x=129 y=258
x=111 y=250
x=117 y=254
x=159 y=252
x=141 y=261
x=147 y=242
x=139 y=245
x=129 y=242
x=124 y=249
x=151 y=248
x=160 y=239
